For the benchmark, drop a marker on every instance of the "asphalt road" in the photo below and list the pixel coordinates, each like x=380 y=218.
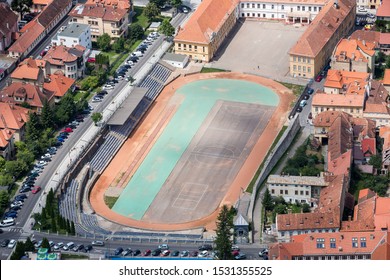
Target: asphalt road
x=24 y=214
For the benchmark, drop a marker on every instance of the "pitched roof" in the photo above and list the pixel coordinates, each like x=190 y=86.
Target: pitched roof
x=354 y=50
x=59 y=84
x=27 y=69
x=369 y=146
x=206 y=21
x=365 y=194
x=322 y=28
x=58 y=55
x=122 y=4
x=107 y=13
x=340 y=137
x=42 y=2
x=5 y=136
x=386 y=78
x=12 y=117
x=348 y=82
x=326 y=118
x=363 y=127
x=31 y=93
x=367 y=35
x=47 y=16
x=338 y=100
x=341 y=164
x=8 y=19
x=382 y=213
x=27 y=38
x=384 y=39
x=384 y=9
x=384 y=132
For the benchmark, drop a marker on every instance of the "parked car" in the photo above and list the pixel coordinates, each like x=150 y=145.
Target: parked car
x=68 y=246
x=127 y=252
x=310 y=91
x=165 y=253
x=10 y=214
x=16 y=203
x=118 y=251
x=207 y=247
x=96 y=99
x=371 y=15
x=36 y=189
x=78 y=247
x=60 y=139
x=136 y=252
x=97 y=243
x=21 y=195
x=306 y=97
x=318 y=78
x=156 y=252
x=108 y=87
x=303 y=103
x=88 y=248
x=16 y=208
x=19 y=198
x=194 y=254
x=203 y=254
x=163 y=247
x=175 y=253
x=147 y=253
x=58 y=246
x=4 y=243
x=58 y=144
x=240 y=256
x=67 y=129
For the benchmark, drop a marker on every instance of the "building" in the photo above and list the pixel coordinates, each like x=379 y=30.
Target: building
x=176 y=60
x=12 y=128
x=39 y=5
x=33 y=32
x=384 y=42
x=30 y=71
x=354 y=55
x=71 y=61
x=377 y=106
x=383 y=11
x=74 y=34
x=121 y=4
x=367 y=35
x=59 y=85
x=386 y=80
x=206 y=29
x=314 y=48
x=346 y=82
x=384 y=133
x=8 y=26
x=290 y=11
x=360 y=245
x=20 y=93
x=102 y=18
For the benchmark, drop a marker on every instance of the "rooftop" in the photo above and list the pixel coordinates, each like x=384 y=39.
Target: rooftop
x=59 y=84
x=8 y=19
x=122 y=4
x=384 y=132
x=353 y=49
x=297 y=180
x=384 y=9
x=58 y=55
x=340 y=137
x=386 y=78
x=341 y=164
x=12 y=117
x=347 y=82
x=326 y=118
x=338 y=100
x=174 y=57
x=107 y=13
x=74 y=30
x=367 y=35
x=27 y=69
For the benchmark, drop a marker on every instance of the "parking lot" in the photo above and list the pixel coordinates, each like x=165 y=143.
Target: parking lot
x=259 y=47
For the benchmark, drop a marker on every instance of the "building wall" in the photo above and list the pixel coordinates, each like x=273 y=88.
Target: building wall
x=293 y=193
x=83 y=40
x=356 y=112
x=285 y=235
x=381 y=119
x=6 y=41
x=284 y=10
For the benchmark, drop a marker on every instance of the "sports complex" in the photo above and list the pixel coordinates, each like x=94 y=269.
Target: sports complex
x=197 y=148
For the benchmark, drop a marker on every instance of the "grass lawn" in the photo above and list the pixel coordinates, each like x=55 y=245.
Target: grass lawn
x=252 y=183
x=73 y=257
x=110 y=200
x=140 y=18
x=296 y=89
x=210 y=70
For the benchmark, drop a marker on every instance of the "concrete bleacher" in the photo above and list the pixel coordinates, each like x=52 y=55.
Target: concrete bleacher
x=67 y=203
x=155 y=81
x=106 y=151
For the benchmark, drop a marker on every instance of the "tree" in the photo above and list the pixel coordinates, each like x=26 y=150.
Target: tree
x=89 y=82
x=73 y=229
x=68 y=228
x=33 y=128
x=223 y=240
x=66 y=109
x=96 y=117
x=159 y=3
x=176 y=3
x=376 y=161
x=102 y=60
x=305 y=208
x=21 y=6
x=104 y=42
x=4 y=199
x=6 y=180
x=166 y=28
x=19 y=251
x=136 y=32
x=151 y=11
x=28 y=245
x=45 y=243
x=388 y=61
x=15 y=168
x=280 y=209
x=267 y=200
x=381 y=57
x=53 y=225
x=119 y=45
x=23 y=153
x=47 y=116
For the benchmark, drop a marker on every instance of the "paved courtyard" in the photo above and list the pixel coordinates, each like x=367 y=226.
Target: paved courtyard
x=260 y=48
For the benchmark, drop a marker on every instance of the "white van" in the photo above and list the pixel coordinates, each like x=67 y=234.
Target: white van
x=7 y=222
x=137 y=53
x=303 y=103
x=68 y=246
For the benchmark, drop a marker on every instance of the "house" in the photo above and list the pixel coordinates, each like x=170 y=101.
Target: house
x=324 y=121
x=74 y=34
x=12 y=128
x=289 y=11
x=20 y=93
x=110 y=19
x=354 y=55
x=31 y=71
x=384 y=133
x=377 y=106
x=386 y=80
x=383 y=11
x=206 y=29
x=33 y=32
x=59 y=85
x=71 y=61
x=368 y=36
x=8 y=26
x=121 y=4
x=296 y=189
x=384 y=42
x=176 y=60
x=39 y=5
x=347 y=82
x=314 y=48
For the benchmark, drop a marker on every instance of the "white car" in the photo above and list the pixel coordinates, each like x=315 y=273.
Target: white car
x=203 y=254
x=105 y=87
x=235 y=248
x=58 y=246
x=163 y=247
x=11 y=244
x=42 y=162
x=96 y=99
x=16 y=203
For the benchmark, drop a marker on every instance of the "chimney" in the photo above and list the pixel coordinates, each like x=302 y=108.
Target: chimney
x=349 y=218
x=336 y=4
x=364 y=42
x=7 y=25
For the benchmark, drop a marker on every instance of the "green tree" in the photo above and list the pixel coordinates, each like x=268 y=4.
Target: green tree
x=66 y=109
x=6 y=180
x=376 y=161
x=96 y=117
x=151 y=11
x=28 y=245
x=33 y=128
x=104 y=42
x=119 y=45
x=136 y=32
x=267 y=200
x=53 y=225
x=176 y=3
x=68 y=228
x=90 y=82
x=45 y=243
x=15 y=168
x=103 y=60
x=2 y=162
x=159 y=3
x=47 y=116
x=381 y=57
x=305 y=208
x=23 y=153
x=4 y=199
x=73 y=229
x=223 y=240
x=310 y=171
x=21 y=6
x=280 y=209
x=19 y=251
x=166 y=28
x=388 y=62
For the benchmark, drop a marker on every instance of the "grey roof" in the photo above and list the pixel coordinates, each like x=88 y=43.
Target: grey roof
x=74 y=30
x=240 y=221
x=155 y=24
x=174 y=57
x=127 y=107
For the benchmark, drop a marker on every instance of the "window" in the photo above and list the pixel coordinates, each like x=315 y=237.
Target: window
x=307 y=192
x=248 y=14
x=319 y=9
x=294 y=67
x=298 y=8
x=282 y=16
x=247 y=5
x=253 y=15
x=315 y=9
x=320 y=243
x=363 y=243
x=296 y=192
x=304 y=68
x=308 y=70
x=299 y=59
x=299 y=67
x=354 y=242
x=301 y=192
x=243 y=15
x=333 y=243
x=303 y=8
x=281 y=191
x=264 y=15
x=253 y=5
x=308 y=60
x=258 y=15
x=263 y=6
x=273 y=191
x=282 y=7
x=273 y=16
x=285 y=191
x=294 y=58
x=309 y=8
x=258 y=6
x=272 y=6
x=242 y=5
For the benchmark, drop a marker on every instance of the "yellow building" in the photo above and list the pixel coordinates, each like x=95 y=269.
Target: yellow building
x=205 y=31
x=314 y=48
x=102 y=19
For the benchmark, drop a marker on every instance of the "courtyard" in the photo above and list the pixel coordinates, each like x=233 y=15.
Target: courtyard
x=260 y=48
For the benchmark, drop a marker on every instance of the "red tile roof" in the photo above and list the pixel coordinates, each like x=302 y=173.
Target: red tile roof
x=122 y=4
x=386 y=78
x=340 y=137
x=326 y=118
x=341 y=164
x=384 y=132
x=369 y=146
x=8 y=19
x=48 y=15
x=59 y=55
x=27 y=38
x=322 y=28
x=346 y=81
x=12 y=117
x=363 y=127
x=107 y=13
x=353 y=49
x=367 y=35
x=31 y=93
x=27 y=69
x=205 y=21
x=384 y=9
x=59 y=84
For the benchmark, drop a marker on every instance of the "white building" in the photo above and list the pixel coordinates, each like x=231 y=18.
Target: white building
x=291 y=11
x=302 y=189
x=74 y=34
x=176 y=60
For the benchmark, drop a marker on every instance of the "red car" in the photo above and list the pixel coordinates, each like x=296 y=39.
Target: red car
x=147 y=253
x=319 y=78
x=67 y=130
x=36 y=189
